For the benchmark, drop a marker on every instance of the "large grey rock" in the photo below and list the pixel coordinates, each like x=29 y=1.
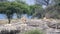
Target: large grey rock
x=8 y=29
x=9 y=32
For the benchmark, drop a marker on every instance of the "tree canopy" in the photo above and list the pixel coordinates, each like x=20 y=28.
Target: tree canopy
x=9 y=8
x=19 y=7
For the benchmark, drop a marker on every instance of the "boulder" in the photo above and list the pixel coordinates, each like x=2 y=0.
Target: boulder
x=8 y=29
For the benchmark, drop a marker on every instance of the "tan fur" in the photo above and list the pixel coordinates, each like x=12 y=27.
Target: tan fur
x=46 y=19
x=23 y=19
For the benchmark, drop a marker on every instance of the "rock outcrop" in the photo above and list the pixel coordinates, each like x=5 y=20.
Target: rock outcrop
x=45 y=25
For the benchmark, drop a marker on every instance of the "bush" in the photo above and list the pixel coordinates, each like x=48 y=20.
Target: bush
x=34 y=32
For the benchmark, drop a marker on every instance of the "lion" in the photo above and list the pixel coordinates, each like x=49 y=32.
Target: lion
x=47 y=19
x=23 y=19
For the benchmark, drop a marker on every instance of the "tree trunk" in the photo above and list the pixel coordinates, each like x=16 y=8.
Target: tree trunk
x=9 y=21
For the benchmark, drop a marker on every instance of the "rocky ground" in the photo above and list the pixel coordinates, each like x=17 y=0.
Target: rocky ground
x=48 y=26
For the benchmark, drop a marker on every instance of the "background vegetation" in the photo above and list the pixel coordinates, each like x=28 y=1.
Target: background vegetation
x=36 y=31
x=52 y=9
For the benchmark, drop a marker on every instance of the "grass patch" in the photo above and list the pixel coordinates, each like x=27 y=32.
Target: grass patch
x=34 y=32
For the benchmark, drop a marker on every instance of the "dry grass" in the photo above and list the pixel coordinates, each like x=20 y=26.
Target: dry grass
x=5 y=21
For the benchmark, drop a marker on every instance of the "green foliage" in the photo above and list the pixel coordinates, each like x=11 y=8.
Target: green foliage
x=53 y=11
x=36 y=11
x=57 y=1
x=19 y=7
x=9 y=8
x=34 y=32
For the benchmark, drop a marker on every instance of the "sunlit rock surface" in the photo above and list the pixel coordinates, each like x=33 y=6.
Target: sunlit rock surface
x=48 y=26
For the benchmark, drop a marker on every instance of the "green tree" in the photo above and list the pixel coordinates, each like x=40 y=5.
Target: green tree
x=47 y=2
x=4 y=9
x=57 y=1
x=53 y=11
x=36 y=11
x=9 y=8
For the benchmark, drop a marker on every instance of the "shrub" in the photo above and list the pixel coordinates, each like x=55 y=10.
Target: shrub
x=34 y=32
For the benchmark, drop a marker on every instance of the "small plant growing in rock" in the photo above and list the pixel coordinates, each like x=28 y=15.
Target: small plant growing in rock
x=34 y=32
